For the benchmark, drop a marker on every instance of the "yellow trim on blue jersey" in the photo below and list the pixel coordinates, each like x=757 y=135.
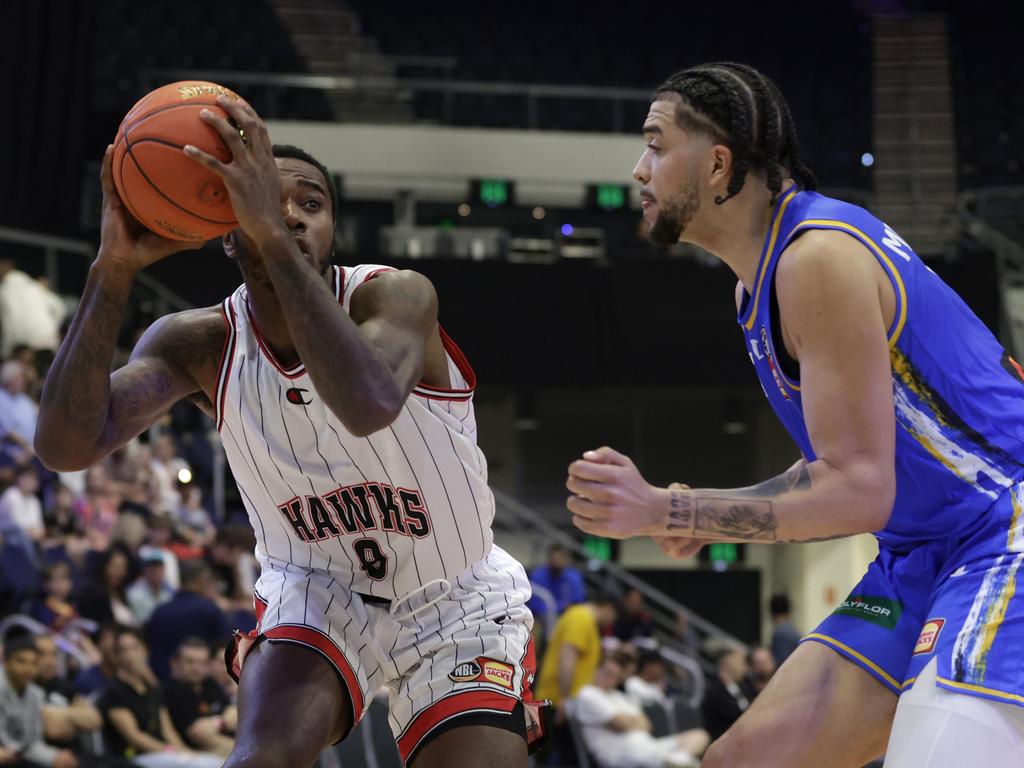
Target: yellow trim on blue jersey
x=908 y=682
x=858 y=656
x=767 y=256
x=1015 y=502
x=901 y=298
x=1016 y=698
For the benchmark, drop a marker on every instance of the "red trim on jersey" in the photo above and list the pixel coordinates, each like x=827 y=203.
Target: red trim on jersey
x=462 y=363
x=311 y=638
x=451 y=706
x=227 y=355
x=291 y=373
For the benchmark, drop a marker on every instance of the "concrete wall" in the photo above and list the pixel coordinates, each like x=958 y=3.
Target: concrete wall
x=549 y=167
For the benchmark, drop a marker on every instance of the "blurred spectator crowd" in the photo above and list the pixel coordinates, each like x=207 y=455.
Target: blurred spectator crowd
x=118 y=588
x=627 y=695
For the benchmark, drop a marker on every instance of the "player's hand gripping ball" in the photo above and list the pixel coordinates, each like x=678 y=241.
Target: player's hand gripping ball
x=159 y=184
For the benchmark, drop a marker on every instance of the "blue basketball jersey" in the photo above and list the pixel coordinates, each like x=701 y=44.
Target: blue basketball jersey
x=958 y=396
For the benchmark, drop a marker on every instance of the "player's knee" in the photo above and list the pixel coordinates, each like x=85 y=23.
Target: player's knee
x=269 y=755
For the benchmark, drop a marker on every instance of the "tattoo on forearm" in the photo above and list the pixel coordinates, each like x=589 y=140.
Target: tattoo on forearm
x=796 y=479
x=815 y=538
x=748 y=519
x=680 y=514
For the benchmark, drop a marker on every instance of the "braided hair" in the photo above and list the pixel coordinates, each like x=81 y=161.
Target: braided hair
x=738 y=106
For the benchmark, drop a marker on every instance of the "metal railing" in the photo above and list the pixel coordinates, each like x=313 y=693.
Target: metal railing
x=615 y=98
x=607 y=577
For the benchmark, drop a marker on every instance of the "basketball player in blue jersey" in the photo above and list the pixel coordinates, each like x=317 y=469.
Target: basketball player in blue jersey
x=910 y=418
x=378 y=377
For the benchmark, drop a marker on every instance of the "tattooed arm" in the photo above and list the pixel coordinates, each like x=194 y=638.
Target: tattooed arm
x=85 y=412
x=830 y=294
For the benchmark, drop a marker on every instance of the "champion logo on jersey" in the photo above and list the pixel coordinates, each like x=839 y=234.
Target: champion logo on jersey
x=297 y=396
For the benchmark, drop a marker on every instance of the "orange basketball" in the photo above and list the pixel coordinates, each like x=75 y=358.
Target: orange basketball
x=161 y=186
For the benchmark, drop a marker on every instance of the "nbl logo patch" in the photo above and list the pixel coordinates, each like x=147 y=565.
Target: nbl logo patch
x=465 y=673
x=484 y=670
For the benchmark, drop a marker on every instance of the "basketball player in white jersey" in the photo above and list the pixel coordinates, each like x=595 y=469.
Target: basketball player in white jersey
x=346 y=415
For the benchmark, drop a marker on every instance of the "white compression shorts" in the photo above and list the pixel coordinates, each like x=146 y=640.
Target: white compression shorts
x=936 y=728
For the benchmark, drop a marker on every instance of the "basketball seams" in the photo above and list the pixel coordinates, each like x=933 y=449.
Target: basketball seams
x=138 y=167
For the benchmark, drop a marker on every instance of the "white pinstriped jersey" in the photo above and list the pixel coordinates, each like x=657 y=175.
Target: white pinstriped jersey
x=385 y=514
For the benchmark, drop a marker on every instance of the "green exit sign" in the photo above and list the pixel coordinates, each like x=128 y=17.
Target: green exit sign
x=493 y=193
x=607 y=197
x=723 y=552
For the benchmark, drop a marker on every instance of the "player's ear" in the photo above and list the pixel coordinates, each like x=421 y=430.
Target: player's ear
x=230 y=244
x=720 y=164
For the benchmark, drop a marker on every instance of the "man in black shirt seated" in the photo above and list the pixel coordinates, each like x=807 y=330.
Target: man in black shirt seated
x=199 y=707
x=138 y=725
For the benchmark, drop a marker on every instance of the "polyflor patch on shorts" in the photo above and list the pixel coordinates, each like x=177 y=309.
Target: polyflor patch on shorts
x=878 y=610
x=929 y=636
x=484 y=670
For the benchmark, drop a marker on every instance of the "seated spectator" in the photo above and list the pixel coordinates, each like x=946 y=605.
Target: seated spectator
x=20 y=508
x=618 y=734
x=199 y=708
x=97 y=507
x=761 y=664
x=560 y=578
x=219 y=673
x=724 y=699
x=55 y=609
x=105 y=597
x=160 y=537
x=59 y=515
x=94 y=679
x=190 y=612
x=18 y=414
x=151 y=589
x=193 y=522
x=633 y=621
x=21 y=709
x=686 y=639
x=137 y=723
x=573 y=652
x=166 y=465
x=650 y=683
x=234 y=567
x=66 y=714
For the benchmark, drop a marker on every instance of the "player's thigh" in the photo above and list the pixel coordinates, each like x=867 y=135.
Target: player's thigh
x=819 y=709
x=936 y=728
x=291 y=706
x=473 y=746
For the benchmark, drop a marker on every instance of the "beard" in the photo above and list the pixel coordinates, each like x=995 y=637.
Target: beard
x=250 y=262
x=674 y=215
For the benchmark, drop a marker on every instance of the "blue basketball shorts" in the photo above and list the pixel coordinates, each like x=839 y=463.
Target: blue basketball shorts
x=954 y=600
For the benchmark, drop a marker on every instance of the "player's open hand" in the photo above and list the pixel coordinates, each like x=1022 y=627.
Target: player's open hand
x=124 y=242
x=611 y=498
x=251 y=177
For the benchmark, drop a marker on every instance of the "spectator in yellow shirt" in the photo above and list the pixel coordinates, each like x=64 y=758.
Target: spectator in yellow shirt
x=574 y=651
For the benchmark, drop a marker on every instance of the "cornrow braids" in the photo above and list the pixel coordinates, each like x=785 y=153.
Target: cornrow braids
x=737 y=105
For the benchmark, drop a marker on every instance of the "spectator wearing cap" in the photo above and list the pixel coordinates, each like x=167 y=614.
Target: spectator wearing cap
x=724 y=699
x=190 y=612
x=151 y=589
x=21 y=710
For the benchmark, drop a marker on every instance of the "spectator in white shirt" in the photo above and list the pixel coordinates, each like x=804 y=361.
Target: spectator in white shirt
x=650 y=683
x=618 y=734
x=20 y=508
x=30 y=313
